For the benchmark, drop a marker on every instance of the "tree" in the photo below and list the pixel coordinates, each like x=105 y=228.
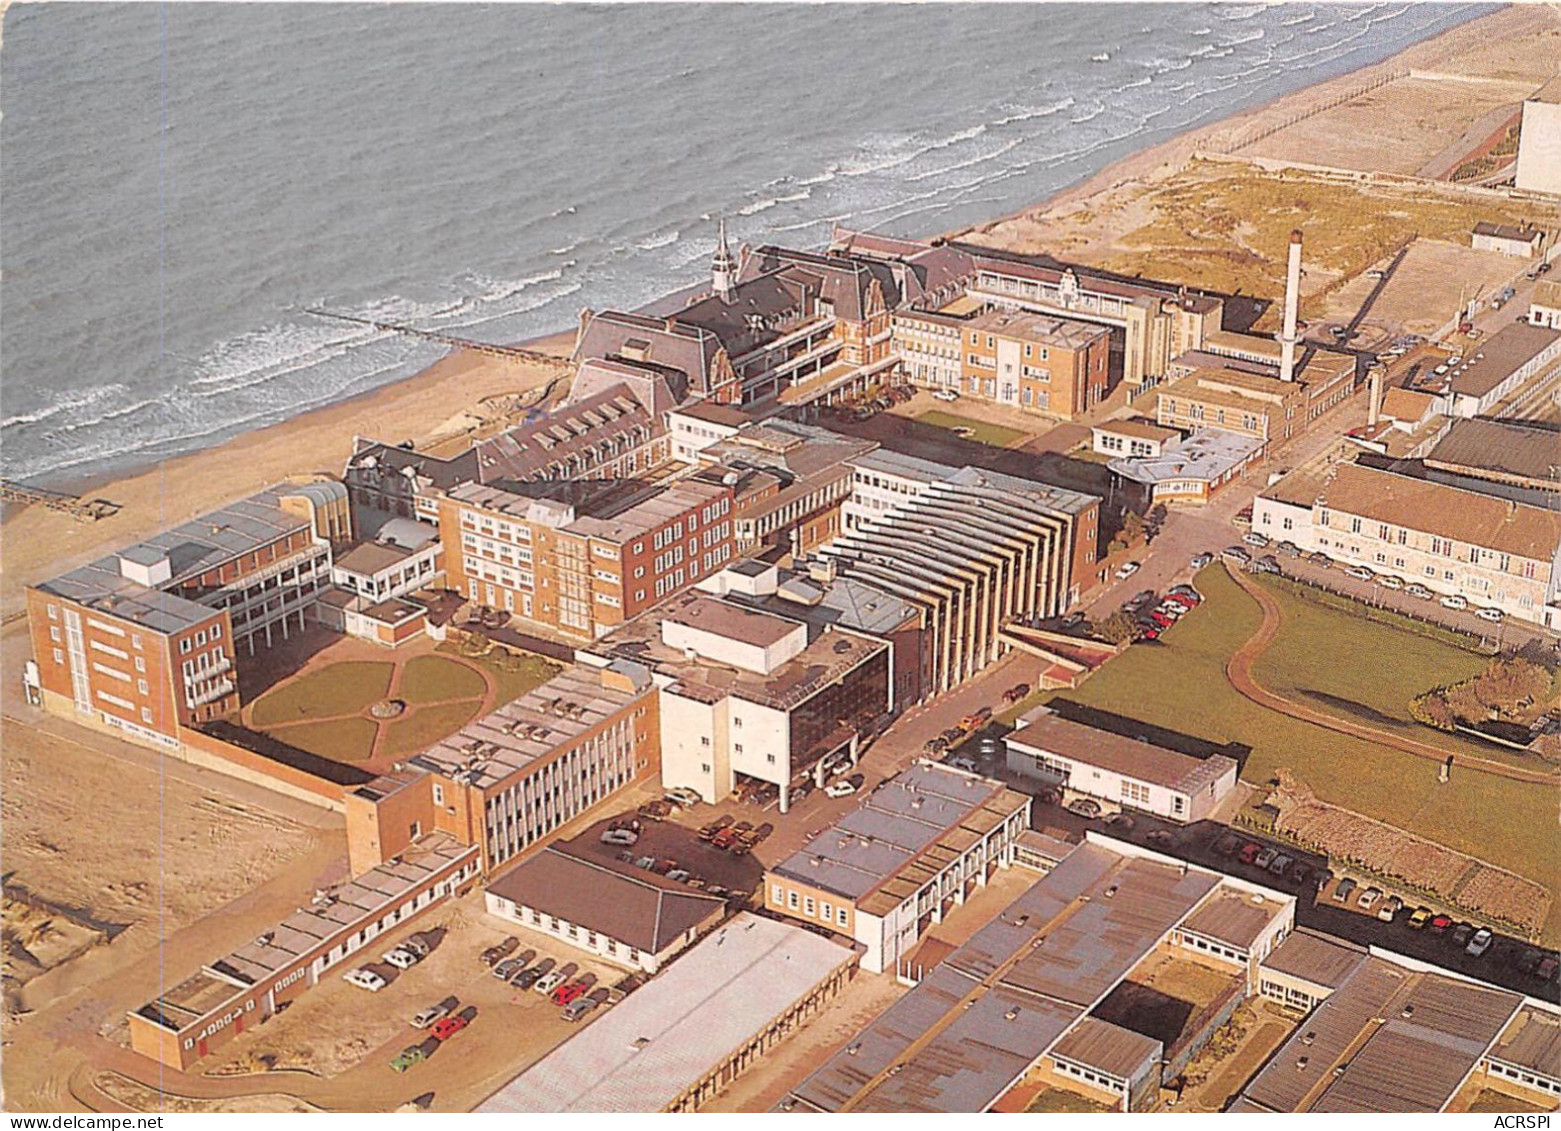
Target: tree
x=1118 y=628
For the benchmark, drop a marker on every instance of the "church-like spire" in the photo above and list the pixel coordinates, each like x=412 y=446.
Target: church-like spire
x=723 y=268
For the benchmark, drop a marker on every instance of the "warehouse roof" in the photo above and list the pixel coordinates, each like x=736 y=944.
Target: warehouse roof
x=1389 y=1039
x=1532 y=1041
x=639 y=909
x=1107 y=1048
x=1502 y=354
x=1315 y=958
x=1506 y=447
x=644 y=1052
x=1044 y=730
x=1236 y=918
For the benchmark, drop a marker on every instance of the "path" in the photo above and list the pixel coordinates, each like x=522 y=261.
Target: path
x=1239 y=672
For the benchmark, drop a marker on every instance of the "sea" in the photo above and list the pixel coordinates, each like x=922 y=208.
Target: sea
x=183 y=182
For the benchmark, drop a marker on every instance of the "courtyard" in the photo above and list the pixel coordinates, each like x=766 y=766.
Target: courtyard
x=353 y=702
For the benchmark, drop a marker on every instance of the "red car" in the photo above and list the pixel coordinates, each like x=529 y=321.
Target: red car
x=1149 y=634
x=1248 y=852
x=448 y=1027
x=1440 y=923
x=566 y=994
x=1182 y=599
x=1160 y=619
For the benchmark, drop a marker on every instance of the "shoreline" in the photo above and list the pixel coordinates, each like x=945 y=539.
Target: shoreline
x=416 y=405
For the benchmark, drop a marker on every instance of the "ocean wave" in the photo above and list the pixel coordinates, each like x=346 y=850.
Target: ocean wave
x=1026 y=113
x=71 y=402
x=979 y=159
x=1293 y=20
x=1321 y=28
x=1164 y=66
x=1245 y=37
x=1091 y=116
x=1236 y=13
x=265 y=354
x=1200 y=31
x=827 y=175
x=661 y=239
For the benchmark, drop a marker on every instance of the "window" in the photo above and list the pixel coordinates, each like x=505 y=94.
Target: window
x=737 y=748
x=54 y=614
x=146 y=715
x=1135 y=793
x=184 y=645
x=770 y=758
x=54 y=634
x=809 y=908
x=840 y=916
x=216 y=633
x=59 y=657
x=791 y=900
x=704 y=740
x=777 y=893
x=140 y=664
x=438 y=794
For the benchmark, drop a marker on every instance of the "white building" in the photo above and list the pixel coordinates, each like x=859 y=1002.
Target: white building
x=626 y=916
x=1494 y=551
x=915 y=849
x=1544 y=307
x=1507 y=239
x=1123 y=771
x=1136 y=439
x=1539 y=142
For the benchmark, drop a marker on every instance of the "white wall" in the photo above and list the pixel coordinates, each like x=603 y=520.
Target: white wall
x=764 y=733
x=762 y=659
x=1539 y=148
x=693 y=736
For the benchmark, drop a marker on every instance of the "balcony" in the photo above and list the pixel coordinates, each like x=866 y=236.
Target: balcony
x=216 y=691
x=212 y=672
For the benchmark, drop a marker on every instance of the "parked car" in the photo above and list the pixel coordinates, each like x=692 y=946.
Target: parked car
x=426 y=1017
x=500 y=950
x=550 y=982
x=1253 y=538
x=707 y=832
x=1419 y=918
x=1391 y=906
x=1341 y=892
x=413 y=1054
x=1301 y=874
x=1495 y=616
x=1440 y=924
x=1126 y=570
x=1248 y=853
x=935 y=746
x=1016 y=693
x=1278 y=865
x=622 y=837
x=1359 y=573
x=839 y=789
x=1083 y=807
x=1149 y=633
x=952 y=735
x=1479 y=944
x=527 y=978
x=682 y=795
x=1266 y=564
x=1546 y=970
x=400 y=958
x=1185 y=600
x=1369 y=897
x=577 y=1009
x=1201 y=560
x=1139 y=600
x=976 y=718
x=1455 y=601
x=1265 y=857
x=1418 y=591
x=1461 y=933
x=568 y=993
x=509 y=967
x=962 y=764
x=1318 y=558
x=1388 y=581
x=947 y=395
x=1237 y=555
x=991 y=747
x=1289 y=549
x=448 y=1027
x=365 y=979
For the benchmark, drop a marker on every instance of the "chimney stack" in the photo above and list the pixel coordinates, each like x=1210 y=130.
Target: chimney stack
x=1288 y=337
x=1376 y=396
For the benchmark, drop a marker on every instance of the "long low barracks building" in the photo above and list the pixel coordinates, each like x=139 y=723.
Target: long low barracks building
x=193 y=1019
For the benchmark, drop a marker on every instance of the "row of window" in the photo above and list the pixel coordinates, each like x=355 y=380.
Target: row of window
x=811 y=908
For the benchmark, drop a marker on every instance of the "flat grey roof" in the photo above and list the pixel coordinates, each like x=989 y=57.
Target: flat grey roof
x=530 y=728
x=1390 y=1039
x=1505 y=446
x=1505 y=351
x=1107 y=1048
x=192 y=548
x=1532 y=1041
x=1312 y=957
x=894 y=823
x=1206 y=454
x=1050 y=956
x=1234 y=917
x=643 y=1053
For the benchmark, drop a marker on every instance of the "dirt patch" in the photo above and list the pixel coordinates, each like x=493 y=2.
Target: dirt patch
x=39 y=936
x=139 y=1097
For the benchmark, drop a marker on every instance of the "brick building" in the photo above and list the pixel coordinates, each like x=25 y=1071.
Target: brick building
x=582 y=556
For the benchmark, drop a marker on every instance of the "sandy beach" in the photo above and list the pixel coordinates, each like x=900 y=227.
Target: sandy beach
x=39 y=543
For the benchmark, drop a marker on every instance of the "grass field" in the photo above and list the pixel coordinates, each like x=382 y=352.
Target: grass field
x=426 y=726
x=433 y=679
x=513 y=674
x=338 y=689
x=342 y=740
x=1179 y=683
x=1329 y=660
x=994 y=434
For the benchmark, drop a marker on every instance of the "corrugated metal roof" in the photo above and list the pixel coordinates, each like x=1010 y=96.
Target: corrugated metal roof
x=1108 y=1048
x=1315 y=958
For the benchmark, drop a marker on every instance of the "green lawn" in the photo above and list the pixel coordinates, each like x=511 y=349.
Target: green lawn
x=431 y=679
x=341 y=740
x=426 y=726
x=1335 y=663
x=339 y=689
x=515 y=674
x=1179 y=683
x=993 y=434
